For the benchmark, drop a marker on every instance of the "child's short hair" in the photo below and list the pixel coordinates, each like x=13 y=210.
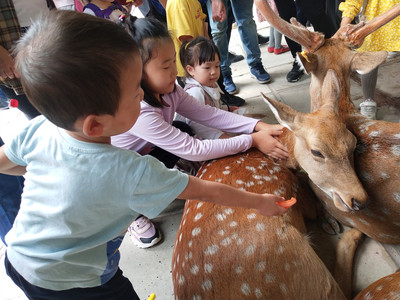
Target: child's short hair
x=197 y=51
x=147 y=32
x=71 y=63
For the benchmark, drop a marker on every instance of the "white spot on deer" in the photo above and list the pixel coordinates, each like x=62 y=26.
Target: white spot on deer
x=218 y=180
x=260 y=182
x=365 y=176
x=277 y=168
x=211 y=250
x=269 y=278
x=258 y=293
x=238 y=161
x=198 y=217
x=226 y=172
x=196 y=231
x=233 y=224
x=249 y=183
x=395 y=150
x=251 y=169
x=250 y=250
x=280 y=249
x=207 y=285
x=220 y=217
x=287 y=267
x=194 y=270
x=239 y=269
x=188 y=256
x=177 y=259
x=226 y=241
x=280 y=232
x=190 y=244
x=203 y=171
x=283 y=288
x=260 y=266
x=181 y=280
x=227 y=167
x=245 y=288
x=257 y=177
x=240 y=182
x=260 y=227
x=396 y=197
x=196 y=297
x=385 y=175
x=208 y=268
x=379 y=288
x=239 y=241
x=376 y=147
x=374 y=133
x=221 y=232
x=350 y=221
x=251 y=216
x=200 y=204
x=180 y=237
x=242 y=189
x=386 y=210
x=209 y=164
x=267 y=178
x=228 y=211
x=365 y=222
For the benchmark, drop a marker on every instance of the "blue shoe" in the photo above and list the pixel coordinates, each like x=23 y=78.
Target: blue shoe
x=230 y=87
x=258 y=72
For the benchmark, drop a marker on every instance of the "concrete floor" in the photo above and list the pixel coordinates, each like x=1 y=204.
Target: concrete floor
x=150 y=269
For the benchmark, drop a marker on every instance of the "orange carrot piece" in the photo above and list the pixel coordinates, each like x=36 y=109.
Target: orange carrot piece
x=286 y=203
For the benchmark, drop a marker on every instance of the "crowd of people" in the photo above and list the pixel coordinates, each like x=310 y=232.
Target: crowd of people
x=116 y=102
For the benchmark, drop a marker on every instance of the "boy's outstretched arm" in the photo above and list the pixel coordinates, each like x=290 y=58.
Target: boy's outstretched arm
x=209 y=191
x=8 y=167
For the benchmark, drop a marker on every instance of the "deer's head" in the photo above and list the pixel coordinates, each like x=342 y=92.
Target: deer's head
x=323 y=146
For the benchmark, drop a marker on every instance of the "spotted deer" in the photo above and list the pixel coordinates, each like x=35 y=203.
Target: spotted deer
x=377 y=156
x=233 y=253
x=387 y=288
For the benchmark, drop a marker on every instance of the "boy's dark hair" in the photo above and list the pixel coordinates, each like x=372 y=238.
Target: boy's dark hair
x=147 y=32
x=197 y=51
x=70 y=65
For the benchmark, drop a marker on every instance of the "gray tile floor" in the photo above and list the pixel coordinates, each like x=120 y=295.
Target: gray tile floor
x=150 y=269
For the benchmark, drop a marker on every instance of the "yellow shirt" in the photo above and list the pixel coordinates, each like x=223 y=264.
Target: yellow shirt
x=184 y=17
x=385 y=38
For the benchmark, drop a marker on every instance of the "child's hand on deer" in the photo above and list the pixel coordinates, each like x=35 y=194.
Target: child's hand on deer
x=266 y=141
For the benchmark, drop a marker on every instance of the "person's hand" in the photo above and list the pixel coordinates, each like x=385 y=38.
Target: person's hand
x=268 y=206
x=348 y=32
x=266 y=141
x=218 y=10
x=7 y=64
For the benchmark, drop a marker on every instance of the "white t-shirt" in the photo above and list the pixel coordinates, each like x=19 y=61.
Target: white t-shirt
x=78 y=200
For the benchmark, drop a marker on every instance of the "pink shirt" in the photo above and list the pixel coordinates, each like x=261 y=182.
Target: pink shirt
x=153 y=127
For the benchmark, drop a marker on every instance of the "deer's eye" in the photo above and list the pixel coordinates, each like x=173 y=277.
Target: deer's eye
x=317 y=153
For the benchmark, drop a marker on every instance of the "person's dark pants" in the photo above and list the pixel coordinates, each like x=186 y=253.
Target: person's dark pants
x=313 y=10
x=166 y=157
x=10 y=200
x=117 y=288
x=23 y=103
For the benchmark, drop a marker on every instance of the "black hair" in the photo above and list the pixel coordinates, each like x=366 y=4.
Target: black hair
x=147 y=32
x=71 y=63
x=197 y=52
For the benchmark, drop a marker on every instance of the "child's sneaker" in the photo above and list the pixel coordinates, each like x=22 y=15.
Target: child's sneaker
x=143 y=232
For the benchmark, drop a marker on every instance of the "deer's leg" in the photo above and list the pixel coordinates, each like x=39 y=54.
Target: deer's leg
x=345 y=251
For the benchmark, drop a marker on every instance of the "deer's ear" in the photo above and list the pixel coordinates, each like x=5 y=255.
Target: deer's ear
x=308 y=60
x=365 y=62
x=330 y=92
x=284 y=114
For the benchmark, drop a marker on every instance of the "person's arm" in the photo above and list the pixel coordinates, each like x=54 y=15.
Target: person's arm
x=218 y=10
x=7 y=65
x=8 y=167
x=209 y=191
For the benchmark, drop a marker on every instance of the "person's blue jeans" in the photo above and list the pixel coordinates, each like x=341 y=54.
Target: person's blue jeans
x=243 y=13
x=10 y=200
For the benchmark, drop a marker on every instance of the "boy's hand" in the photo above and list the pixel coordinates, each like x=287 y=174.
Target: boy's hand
x=269 y=207
x=266 y=141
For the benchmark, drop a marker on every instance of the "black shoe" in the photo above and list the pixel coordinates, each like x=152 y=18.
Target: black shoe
x=295 y=73
x=262 y=39
x=232 y=100
x=233 y=57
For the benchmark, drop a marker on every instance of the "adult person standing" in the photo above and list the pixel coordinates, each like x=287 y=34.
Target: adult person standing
x=243 y=14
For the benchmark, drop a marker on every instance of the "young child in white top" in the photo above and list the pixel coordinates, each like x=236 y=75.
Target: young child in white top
x=81 y=193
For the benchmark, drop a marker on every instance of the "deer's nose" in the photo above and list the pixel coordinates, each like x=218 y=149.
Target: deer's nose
x=357 y=205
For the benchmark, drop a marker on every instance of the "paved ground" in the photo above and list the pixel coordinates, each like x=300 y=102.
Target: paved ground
x=150 y=269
